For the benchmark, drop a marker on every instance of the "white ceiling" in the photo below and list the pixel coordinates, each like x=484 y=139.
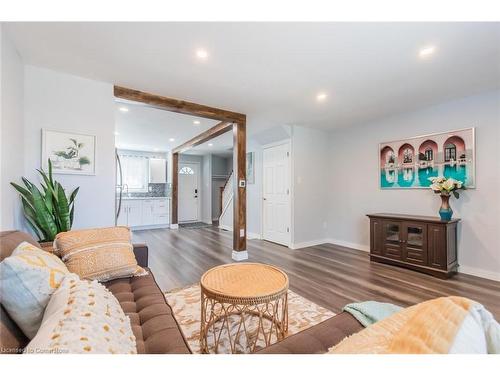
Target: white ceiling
x=273 y=71
x=149 y=129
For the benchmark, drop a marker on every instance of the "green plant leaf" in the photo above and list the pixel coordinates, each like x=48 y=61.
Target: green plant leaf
x=71 y=215
x=62 y=209
x=24 y=192
x=73 y=195
x=44 y=218
x=30 y=216
x=50 y=173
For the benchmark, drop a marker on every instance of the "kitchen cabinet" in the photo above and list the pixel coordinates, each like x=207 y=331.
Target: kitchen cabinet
x=144 y=212
x=157 y=171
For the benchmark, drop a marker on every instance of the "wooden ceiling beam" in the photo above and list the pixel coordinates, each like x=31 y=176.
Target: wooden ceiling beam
x=179 y=106
x=215 y=131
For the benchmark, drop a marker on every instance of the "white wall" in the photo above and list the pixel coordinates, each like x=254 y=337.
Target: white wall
x=254 y=194
x=310 y=186
x=354 y=191
x=206 y=191
x=11 y=133
x=64 y=102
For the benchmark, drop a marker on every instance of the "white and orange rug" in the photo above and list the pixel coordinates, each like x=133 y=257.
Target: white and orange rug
x=185 y=303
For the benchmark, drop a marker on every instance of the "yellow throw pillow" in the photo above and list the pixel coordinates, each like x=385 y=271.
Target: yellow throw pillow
x=83 y=317
x=27 y=280
x=98 y=254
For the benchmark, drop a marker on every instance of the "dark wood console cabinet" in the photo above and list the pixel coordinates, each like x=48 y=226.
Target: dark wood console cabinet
x=421 y=243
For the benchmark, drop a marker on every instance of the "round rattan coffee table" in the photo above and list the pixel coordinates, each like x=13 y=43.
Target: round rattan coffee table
x=244 y=307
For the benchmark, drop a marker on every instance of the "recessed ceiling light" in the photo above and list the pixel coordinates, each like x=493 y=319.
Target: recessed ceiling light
x=202 y=54
x=426 y=51
x=210 y=144
x=321 y=97
x=116 y=133
x=123 y=109
x=172 y=139
x=196 y=122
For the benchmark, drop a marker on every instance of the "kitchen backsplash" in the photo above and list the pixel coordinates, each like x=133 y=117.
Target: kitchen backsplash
x=155 y=190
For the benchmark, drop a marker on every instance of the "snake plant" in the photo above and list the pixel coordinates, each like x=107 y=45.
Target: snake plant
x=50 y=211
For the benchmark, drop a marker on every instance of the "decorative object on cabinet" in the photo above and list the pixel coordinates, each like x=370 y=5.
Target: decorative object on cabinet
x=70 y=153
x=410 y=163
x=422 y=243
x=445 y=187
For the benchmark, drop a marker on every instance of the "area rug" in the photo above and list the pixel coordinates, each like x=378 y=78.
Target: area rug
x=185 y=304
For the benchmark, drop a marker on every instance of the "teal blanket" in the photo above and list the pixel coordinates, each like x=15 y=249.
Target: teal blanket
x=370 y=312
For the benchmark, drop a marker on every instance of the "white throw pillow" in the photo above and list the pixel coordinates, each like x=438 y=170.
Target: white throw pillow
x=27 y=280
x=83 y=317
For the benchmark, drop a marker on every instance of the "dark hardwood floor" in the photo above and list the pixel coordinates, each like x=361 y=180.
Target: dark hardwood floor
x=328 y=275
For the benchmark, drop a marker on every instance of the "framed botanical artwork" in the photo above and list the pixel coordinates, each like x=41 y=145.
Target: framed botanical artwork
x=410 y=163
x=250 y=167
x=70 y=153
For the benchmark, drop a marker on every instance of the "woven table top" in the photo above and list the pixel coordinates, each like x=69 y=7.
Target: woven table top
x=245 y=280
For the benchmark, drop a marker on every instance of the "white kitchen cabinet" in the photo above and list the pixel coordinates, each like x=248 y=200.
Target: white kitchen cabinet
x=134 y=213
x=148 y=217
x=122 y=217
x=157 y=171
x=144 y=212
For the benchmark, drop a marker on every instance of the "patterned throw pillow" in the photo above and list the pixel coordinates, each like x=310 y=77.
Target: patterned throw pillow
x=27 y=280
x=98 y=254
x=83 y=317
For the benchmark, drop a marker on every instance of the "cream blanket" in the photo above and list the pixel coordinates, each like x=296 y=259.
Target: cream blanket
x=442 y=325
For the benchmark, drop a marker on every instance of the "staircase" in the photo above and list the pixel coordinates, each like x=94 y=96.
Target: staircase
x=226 y=199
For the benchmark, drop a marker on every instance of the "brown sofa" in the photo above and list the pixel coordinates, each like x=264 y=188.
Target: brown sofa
x=153 y=323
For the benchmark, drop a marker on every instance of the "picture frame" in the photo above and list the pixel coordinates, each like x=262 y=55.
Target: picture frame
x=70 y=153
x=409 y=163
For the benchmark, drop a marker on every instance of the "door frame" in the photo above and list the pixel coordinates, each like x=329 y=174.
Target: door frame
x=198 y=166
x=288 y=142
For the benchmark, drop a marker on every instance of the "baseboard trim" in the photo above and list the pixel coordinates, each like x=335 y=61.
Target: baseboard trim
x=479 y=273
x=301 y=245
x=238 y=256
x=174 y=226
x=250 y=235
x=348 y=244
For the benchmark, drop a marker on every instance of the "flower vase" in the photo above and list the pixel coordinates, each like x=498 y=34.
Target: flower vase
x=445 y=211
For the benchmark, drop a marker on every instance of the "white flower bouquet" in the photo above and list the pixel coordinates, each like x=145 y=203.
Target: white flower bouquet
x=446 y=186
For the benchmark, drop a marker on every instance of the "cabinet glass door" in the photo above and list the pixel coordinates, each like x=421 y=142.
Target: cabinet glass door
x=415 y=236
x=392 y=233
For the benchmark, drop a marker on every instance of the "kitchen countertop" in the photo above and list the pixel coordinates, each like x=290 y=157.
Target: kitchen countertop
x=143 y=198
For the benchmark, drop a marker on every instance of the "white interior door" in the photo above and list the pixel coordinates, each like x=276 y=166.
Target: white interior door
x=188 y=192
x=276 y=194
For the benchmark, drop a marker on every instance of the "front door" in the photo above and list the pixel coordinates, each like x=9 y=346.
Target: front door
x=276 y=194
x=188 y=192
